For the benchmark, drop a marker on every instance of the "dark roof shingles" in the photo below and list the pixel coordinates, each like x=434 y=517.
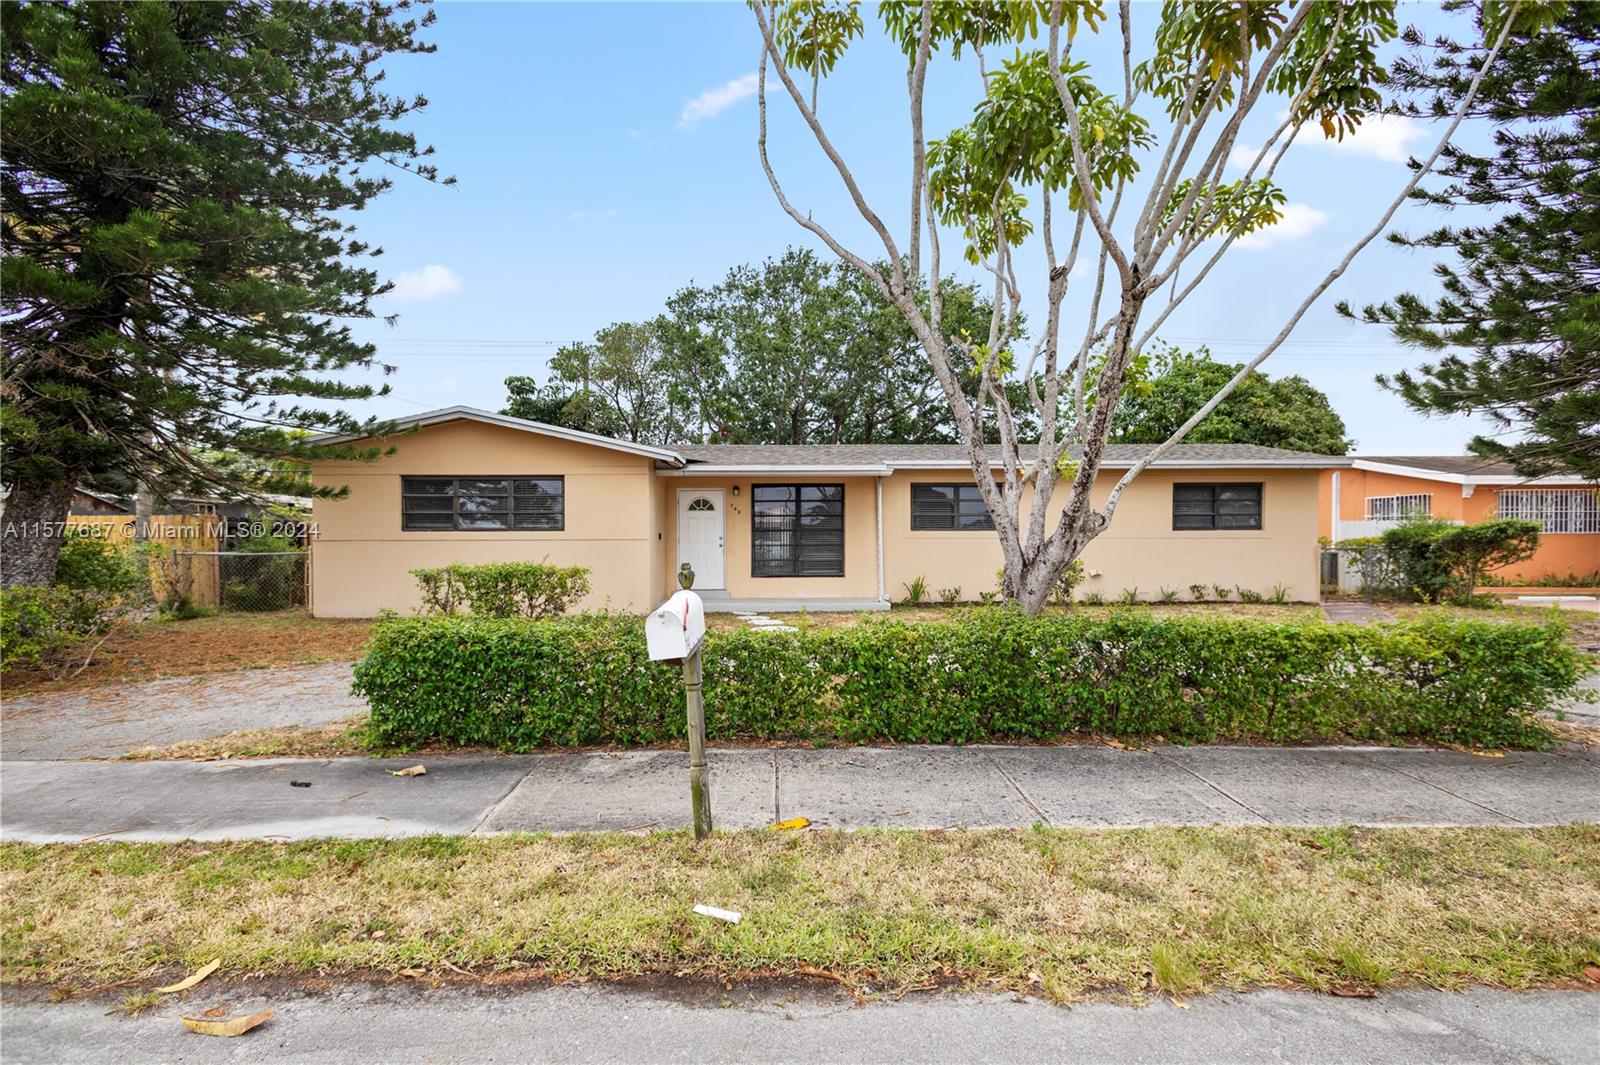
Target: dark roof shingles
x=956 y=455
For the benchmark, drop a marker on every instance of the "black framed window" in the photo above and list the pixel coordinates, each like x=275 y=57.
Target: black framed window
x=797 y=530
x=1216 y=506
x=476 y=504
x=957 y=507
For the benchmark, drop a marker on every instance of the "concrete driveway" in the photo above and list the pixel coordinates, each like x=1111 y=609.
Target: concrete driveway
x=105 y=722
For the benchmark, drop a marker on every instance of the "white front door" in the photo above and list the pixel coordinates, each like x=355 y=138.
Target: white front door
x=700 y=535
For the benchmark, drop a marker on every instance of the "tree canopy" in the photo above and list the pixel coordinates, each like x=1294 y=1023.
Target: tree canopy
x=177 y=259
x=1520 y=292
x=1286 y=412
x=794 y=349
x=1125 y=165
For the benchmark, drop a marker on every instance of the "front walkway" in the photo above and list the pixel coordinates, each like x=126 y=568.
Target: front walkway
x=862 y=787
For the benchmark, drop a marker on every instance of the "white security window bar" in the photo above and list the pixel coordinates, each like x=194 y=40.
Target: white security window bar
x=1557 y=510
x=1399 y=508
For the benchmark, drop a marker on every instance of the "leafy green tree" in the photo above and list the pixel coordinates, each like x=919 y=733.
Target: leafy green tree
x=617 y=385
x=527 y=398
x=1064 y=156
x=176 y=256
x=1288 y=412
x=799 y=350
x=1521 y=291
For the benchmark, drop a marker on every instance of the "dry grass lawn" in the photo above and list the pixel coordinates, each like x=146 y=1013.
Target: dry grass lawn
x=1060 y=912
x=337 y=739
x=155 y=649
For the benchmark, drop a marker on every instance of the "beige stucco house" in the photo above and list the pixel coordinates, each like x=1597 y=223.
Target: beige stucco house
x=830 y=526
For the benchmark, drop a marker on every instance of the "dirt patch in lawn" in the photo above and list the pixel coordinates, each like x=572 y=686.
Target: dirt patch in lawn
x=155 y=649
x=1059 y=912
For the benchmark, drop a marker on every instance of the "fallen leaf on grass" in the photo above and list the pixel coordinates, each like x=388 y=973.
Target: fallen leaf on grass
x=193 y=978
x=791 y=824
x=1592 y=972
x=410 y=771
x=229 y=1028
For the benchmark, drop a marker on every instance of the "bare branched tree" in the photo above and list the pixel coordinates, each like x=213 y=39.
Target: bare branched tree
x=1140 y=206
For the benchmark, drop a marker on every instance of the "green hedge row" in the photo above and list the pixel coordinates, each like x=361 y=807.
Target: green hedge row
x=993 y=675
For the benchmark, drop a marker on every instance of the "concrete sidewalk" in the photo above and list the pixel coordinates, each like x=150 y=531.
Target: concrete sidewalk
x=901 y=787
x=581 y=1023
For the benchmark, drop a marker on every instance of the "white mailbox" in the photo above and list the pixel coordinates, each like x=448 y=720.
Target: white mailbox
x=675 y=628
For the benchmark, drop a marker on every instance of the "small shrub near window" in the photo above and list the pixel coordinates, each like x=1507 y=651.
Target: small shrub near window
x=996 y=675
x=532 y=590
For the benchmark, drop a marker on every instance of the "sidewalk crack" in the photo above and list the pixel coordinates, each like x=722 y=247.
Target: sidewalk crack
x=1213 y=786
x=998 y=768
x=1447 y=791
x=494 y=807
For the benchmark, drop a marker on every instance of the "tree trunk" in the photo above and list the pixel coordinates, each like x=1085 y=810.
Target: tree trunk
x=35 y=520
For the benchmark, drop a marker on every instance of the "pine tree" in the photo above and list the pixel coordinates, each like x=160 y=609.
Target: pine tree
x=1521 y=291
x=177 y=265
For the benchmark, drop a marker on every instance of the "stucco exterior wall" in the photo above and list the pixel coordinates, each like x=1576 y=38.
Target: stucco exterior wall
x=1562 y=554
x=1140 y=550
x=361 y=558
x=860 y=580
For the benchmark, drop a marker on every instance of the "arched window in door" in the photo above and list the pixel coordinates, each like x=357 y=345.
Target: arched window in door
x=701 y=504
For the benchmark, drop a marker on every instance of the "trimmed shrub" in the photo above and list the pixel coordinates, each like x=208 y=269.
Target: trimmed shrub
x=996 y=675
x=503 y=589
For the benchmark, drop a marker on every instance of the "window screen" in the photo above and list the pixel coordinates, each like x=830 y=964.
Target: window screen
x=469 y=504
x=949 y=507
x=797 y=530
x=1216 y=506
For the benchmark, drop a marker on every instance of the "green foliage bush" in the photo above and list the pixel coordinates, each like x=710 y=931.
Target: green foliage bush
x=95 y=564
x=98 y=584
x=996 y=675
x=531 y=590
x=1435 y=560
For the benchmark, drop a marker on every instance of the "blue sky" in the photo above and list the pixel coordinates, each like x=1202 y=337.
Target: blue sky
x=605 y=157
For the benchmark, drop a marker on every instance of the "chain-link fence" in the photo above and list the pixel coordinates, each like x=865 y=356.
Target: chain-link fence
x=1365 y=571
x=242 y=581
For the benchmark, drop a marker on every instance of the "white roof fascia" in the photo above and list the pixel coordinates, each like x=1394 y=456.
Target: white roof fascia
x=450 y=414
x=1465 y=479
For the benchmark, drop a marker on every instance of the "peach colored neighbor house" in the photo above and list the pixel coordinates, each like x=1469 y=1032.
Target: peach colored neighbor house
x=1375 y=492
x=769 y=527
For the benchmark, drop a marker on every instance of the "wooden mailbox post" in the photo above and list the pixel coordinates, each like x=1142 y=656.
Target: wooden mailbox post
x=674 y=632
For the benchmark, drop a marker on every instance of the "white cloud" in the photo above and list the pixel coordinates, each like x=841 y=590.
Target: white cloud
x=1298 y=220
x=593 y=214
x=429 y=283
x=1385 y=137
x=713 y=102
x=1242 y=156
